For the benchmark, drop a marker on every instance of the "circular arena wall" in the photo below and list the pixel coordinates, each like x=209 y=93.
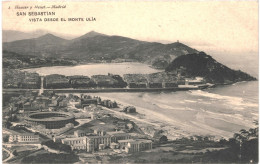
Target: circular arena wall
x=51 y=120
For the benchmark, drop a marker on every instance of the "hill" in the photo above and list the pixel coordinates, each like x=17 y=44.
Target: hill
x=201 y=64
x=12 y=35
x=46 y=45
x=94 y=46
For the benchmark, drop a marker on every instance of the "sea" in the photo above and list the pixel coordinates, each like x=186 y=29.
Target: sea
x=220 y=111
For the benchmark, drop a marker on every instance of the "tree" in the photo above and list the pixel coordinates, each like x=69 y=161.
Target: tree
x=163 y=138
x=239 y=137
x=15 y=153
x=244 y=133
x=253 y=132
x=65 y=148
x=6 y=138
x=14 y=118
x=222 y=141
x=206 y=138
x=245 y=144
x=130 y=126
x=8 y=124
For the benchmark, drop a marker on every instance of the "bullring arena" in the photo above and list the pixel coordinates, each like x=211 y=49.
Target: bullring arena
x=51 y=120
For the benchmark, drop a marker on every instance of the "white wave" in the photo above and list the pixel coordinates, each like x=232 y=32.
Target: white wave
x=232 y=118
x=232 y=100
x=191 y=101
x=163 y=106
x=208 y=103
x=211 y=130
x=256 y=114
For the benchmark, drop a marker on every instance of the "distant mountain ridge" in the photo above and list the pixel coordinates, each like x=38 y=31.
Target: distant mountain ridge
x=89 y=35
x=96 y=46
x=12 y=35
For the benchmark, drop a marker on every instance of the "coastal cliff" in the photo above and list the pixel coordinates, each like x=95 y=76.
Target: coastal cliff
x=203 y=65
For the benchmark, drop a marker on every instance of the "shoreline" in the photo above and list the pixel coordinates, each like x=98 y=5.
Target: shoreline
x=173 y=126
x=153 y=120
x=81 y=64
x=101 y=90
x=97 y=90
x=145 y=122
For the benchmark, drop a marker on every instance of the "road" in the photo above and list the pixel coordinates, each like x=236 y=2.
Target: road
x=10 y=154
x=94 y=90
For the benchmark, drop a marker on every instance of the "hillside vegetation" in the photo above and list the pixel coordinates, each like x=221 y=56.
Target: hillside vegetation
x=201 y=64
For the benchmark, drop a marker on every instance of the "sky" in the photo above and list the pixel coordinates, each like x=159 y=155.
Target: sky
x=212 y=26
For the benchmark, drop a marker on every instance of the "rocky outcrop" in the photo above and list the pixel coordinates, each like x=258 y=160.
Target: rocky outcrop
x=203 y=65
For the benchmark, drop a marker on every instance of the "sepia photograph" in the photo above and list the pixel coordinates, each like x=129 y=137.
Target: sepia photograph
x=130 y=81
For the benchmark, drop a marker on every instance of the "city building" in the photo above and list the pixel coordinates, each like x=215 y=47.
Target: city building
x=51 y=120
x=136 y=80
x=78 y=143
x=81 y=133
x=19 y=79
x=41 y=102
x=87 y=101
x=154 y=81
x=93 y=116
x=124 y=143
x=129 y=109
x=28 y=106
x=23 y=137
x=31 y=80
x=56 y=81
x=109 y=104
x=194 y=81
x=93 y=142
x=104 y=81
x=138 y=145
x=63 y=103
x=118 y=135
x=81 y=81
x=99 y=140
x=114 y=145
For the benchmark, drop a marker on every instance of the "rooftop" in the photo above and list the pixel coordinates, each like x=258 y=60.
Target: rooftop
x=129 y=140
x=75 y=138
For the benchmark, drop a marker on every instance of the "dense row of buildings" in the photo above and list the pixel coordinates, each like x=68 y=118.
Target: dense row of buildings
x=87 y=100
x=159 y=80
x=155 y=80
x=56 y=81
x=81 y=81
x=101 y=81
x=43 y=102
x=17 y=79
x=34 y=102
